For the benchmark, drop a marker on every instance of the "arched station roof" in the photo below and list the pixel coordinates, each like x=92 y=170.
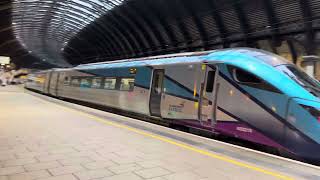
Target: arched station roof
x=71 y=32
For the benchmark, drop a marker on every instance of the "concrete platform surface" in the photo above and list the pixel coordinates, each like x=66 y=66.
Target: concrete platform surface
x=49 y=139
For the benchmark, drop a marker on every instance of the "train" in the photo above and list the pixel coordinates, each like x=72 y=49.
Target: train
x=246 y=93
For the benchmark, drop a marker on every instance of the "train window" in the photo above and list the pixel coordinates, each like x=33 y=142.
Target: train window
x=210 y=81
x=245 y=77
x=158 y=82
x=96 y=82
x=66 y=81
x=127 y=84
x=75 y=82
x=110 y=83
x=249 y=79
x=85 y=82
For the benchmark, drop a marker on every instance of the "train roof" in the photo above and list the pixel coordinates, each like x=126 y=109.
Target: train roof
x=223 y=55
x=261 y=55
x=160 y=57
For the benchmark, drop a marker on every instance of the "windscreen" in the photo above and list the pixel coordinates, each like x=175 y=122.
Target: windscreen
x=309 y=83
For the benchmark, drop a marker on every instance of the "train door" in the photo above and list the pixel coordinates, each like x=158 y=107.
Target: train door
x=57 y=84
x=51 y=83
x=156 y=92
x=208 y=93
x=48 y=82
x=54 y=83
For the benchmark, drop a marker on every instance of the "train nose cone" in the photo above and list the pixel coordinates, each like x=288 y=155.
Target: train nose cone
x=306 y=151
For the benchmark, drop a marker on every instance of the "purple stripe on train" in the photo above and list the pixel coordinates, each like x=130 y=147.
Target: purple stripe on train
x=233 y=129
x=242 y=131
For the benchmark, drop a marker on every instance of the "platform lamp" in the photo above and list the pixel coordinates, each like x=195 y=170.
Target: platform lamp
x=309 y=63
x=4 y=61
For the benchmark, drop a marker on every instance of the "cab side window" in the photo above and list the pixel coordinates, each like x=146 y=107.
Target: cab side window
x=244 y=77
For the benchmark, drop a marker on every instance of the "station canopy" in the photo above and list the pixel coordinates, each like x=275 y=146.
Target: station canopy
x=70 y=32
x=45 y=27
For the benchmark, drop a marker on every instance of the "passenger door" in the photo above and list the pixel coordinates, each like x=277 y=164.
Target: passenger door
x=208 y=93
x=156 y=92
x=48 y=82
x=54 y=83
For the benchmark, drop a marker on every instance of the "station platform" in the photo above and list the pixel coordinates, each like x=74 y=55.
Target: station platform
x=49 y=139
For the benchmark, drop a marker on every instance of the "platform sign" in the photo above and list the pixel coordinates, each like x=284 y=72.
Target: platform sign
x=4 y=60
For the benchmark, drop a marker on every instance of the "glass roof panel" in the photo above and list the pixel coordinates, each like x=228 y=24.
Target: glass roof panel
x=43 y=24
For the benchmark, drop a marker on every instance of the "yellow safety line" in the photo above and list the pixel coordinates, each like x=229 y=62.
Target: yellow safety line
x=185 y=146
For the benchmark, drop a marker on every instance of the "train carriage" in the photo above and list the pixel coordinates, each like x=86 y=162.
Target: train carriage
x=245 y=93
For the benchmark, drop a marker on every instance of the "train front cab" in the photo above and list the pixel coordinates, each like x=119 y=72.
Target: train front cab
x=271 y=116
x=303 y=137
x=302 y=133
x=255 y=110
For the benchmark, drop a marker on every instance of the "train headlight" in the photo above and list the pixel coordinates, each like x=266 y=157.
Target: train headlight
x=313 y=111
